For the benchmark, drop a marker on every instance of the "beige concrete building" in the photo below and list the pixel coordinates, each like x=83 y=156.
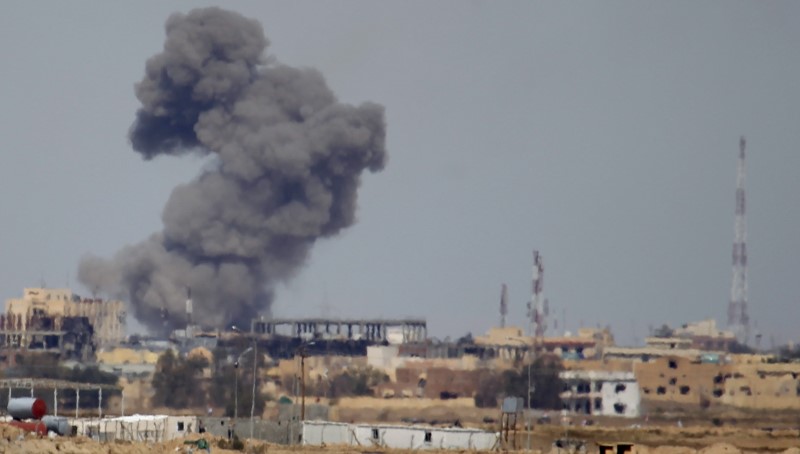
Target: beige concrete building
x=107 y=317
x=735 y=381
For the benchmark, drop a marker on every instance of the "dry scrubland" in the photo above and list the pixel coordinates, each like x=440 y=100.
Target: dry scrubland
x=647 y=441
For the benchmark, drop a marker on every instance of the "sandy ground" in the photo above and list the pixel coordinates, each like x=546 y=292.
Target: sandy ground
x=656 y=440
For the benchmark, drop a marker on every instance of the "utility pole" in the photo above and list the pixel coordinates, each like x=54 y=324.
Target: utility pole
x=302 y=385
x=253 y=398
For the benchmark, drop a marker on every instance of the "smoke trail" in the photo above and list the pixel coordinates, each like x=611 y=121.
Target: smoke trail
x=287 y=164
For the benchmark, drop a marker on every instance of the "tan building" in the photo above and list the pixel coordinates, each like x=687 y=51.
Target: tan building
x=505 y=345
x=738 y=383
x=107 y=317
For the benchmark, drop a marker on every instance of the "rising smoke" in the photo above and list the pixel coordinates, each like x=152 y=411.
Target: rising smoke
x=287 y=161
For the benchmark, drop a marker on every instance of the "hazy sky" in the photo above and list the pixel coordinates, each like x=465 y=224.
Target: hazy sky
x=604 y=134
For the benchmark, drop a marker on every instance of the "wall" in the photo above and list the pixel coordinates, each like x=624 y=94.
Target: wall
x=318 y=433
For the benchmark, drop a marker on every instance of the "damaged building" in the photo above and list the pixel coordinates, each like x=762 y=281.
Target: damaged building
x=60 y=322
x=601 y=393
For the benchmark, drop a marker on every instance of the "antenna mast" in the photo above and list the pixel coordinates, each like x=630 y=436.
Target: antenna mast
x=503 y=305
x=537 y=310
x=738 y=320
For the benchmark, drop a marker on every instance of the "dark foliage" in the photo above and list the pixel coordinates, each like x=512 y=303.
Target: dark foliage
x=544 y=380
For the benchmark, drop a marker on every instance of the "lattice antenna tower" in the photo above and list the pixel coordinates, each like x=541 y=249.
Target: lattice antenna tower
x=738 y=320
x=537 y=312
x=503 y=305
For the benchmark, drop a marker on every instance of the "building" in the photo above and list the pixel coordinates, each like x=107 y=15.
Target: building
x=106 y=317
x=710 y=380
x=601 y=393
x=324 y=433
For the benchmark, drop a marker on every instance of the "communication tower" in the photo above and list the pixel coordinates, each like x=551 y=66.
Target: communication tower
x=738 y=320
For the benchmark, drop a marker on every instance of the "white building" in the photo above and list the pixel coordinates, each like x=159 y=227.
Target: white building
x=601 y=393
x=318 y=433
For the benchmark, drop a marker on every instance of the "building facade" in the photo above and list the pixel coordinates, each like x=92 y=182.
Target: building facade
x=601 y=393
x=106 y=317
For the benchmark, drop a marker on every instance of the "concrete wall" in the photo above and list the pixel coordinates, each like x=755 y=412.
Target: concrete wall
x=279 y=432
x=622 y=394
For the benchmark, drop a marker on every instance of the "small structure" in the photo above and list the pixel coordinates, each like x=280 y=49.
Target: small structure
x=318 y=433
x=512 y=408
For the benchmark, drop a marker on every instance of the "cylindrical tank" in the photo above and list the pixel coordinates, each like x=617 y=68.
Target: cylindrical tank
x=36 y=427
x=57 y=424
x=27 y=408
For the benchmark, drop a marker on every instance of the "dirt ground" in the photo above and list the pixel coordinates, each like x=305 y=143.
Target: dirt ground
x=645 y=440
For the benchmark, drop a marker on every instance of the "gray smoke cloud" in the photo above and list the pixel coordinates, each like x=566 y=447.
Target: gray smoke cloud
x=287 y=161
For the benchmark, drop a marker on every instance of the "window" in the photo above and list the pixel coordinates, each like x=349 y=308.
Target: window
x=673 y=364
x=661 y=390
x=673 y=381
x=746 y=390
x=685 y=390
x=375 y=433
x=619 y=408
x=598 y=404
x=180 y=426
x=619 y=388
x=428 y=436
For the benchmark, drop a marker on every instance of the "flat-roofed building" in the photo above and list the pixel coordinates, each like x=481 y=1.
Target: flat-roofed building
x=106 y=317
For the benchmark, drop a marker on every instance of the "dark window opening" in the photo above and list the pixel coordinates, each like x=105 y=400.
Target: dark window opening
x=619 y=408
x=646 y=390
x=673 y=381
x=180 y=426
x=661 y=390
x=718 y=392
x=598 y=404
x=718 y=379
x=428 y=437
x=673 y=364
x=746 y=390
x=624 y=448
x=619 y=388
x=374 y=434
x=685 y=390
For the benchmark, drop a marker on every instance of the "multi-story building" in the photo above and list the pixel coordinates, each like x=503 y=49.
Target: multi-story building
x=601 y=393
x=106 y=317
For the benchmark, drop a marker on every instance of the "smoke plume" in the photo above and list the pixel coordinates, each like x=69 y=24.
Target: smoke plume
x=287 y=161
